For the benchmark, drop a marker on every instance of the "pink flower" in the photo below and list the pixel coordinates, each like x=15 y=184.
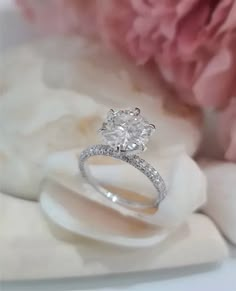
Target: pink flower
x=227 y=130
x=193 y=42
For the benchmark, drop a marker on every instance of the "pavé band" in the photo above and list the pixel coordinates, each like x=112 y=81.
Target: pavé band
x=135 y=161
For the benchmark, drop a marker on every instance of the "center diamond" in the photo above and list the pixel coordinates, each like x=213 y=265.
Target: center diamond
x=126 y=130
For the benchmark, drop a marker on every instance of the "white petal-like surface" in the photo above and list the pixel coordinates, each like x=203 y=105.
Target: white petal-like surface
x=221 y=202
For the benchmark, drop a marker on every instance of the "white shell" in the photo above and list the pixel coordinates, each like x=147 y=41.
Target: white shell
x=178 y=170
x=46 y=109
x=221 y=202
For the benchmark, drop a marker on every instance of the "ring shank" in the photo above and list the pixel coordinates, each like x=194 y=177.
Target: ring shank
x=135 y=161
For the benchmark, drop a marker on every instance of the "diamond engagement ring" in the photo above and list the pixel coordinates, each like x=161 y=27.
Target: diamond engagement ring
x=125 y=134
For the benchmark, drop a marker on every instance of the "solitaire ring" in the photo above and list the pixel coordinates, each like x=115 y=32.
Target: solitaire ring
x=125 y=134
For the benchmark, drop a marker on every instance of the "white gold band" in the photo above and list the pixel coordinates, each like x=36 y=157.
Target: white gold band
x=135 y=161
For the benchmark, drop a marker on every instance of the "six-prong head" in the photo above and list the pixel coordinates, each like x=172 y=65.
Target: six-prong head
x=137 y=111
x=127 y=130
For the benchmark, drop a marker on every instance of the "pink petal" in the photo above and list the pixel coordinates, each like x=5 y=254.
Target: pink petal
x=215 y=83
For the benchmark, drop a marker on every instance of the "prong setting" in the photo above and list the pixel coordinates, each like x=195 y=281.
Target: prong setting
x=100 y=130
x=152 y=126
x=137 y=111
x=143 y=147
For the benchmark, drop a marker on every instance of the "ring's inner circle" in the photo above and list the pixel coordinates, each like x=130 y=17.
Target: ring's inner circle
x=122 y=182
x=121 y=178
